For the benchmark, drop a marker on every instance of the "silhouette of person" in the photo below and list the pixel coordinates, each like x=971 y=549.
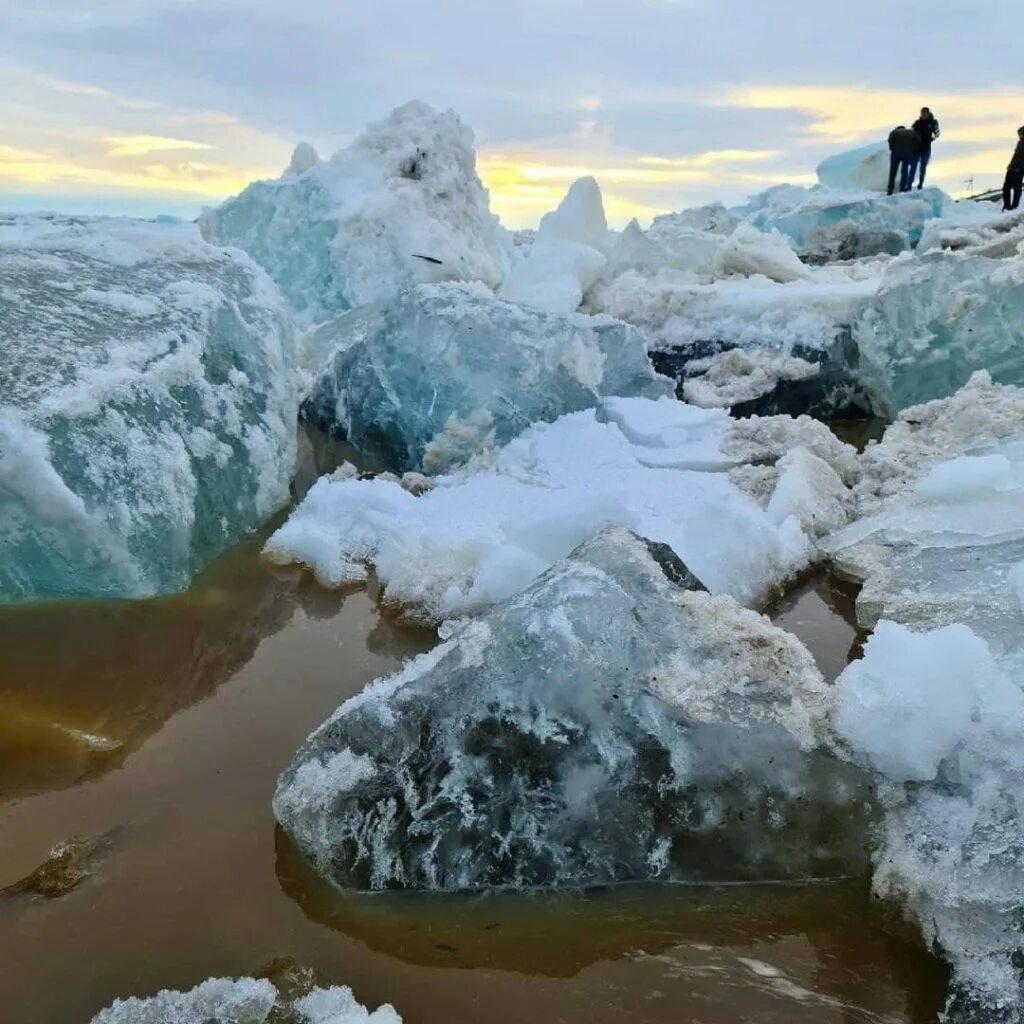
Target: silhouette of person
x=1014 y=181
x=927 y=130
x=902 y=148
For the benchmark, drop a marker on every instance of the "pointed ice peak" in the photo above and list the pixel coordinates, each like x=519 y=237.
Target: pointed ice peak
x=304 y=158
x=578 y=218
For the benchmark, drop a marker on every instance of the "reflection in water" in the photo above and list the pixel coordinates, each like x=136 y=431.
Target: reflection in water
x=822 y=613
x=200 y=700
x=695 y=932
x=84 y=683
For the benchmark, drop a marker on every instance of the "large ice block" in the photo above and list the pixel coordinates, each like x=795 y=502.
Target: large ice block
x=864 y=168
x=401 y=205
x=446 y=372
x=147 y=406
x=691 y=478
x=938 y=318
x=606 y=724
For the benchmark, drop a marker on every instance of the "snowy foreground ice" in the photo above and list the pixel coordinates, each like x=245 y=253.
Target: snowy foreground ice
x=401 y=205
x=147 y=406
x=936 y=706
x=611 y=722
x=741 y=502
x=446 y=372
x=245 y=1001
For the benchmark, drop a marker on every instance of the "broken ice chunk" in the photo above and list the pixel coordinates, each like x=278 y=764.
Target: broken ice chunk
x=603 y=725
x=147 y=409
x=446 y=372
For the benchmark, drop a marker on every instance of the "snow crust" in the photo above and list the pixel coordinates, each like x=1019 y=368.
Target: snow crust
x=659 y=467
x=402 y=205
x=147 y=410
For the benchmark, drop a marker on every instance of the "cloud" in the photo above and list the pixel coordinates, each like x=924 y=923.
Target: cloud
x=140 y=145
x=667 y=103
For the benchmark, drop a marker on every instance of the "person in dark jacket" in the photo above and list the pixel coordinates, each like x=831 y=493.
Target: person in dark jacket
x=1014 y=182
x=902 y=147
x=926 y=128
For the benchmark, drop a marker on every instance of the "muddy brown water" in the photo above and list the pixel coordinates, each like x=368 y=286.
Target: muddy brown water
x=161 y=726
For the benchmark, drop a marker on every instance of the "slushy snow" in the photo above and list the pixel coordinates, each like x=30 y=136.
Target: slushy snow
x=244 y=1001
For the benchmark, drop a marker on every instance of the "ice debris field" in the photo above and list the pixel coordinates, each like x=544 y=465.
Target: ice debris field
x=589 y=459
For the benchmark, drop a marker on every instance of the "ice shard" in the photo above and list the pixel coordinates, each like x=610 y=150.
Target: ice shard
x=612 y=722
x=147 y=406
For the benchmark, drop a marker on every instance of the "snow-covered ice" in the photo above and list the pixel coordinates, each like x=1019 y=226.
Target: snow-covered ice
x=695 y=479
x=147 y=405
x=244 y=1001
x=605 y=724
x=567 y=255
x=401 y=205
x=446 y=372
x=936 y=705
x=941 y=719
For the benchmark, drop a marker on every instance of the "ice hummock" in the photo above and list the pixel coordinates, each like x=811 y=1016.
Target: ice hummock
x=402 y=205
x=605 y=724
x=936 y=706
x=147 y=411
x=244 y=1001
x=717 y=490
x=939 y=317
x=446 y=372
x=817 y=219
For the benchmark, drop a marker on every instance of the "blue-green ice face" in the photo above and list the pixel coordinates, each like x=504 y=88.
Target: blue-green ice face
x=147 y=412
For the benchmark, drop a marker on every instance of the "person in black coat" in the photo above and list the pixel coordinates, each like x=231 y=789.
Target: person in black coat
x=902 y=149
x=1014 y=182
x=926 y=128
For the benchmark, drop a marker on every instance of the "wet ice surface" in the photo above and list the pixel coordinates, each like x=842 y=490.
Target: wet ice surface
x=197 y=885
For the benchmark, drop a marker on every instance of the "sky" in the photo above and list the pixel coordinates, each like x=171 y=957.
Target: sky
x=143 y=107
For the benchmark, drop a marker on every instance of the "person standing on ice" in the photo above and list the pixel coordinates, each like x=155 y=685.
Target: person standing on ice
x=902 y=148
x=1014 y=182
x=926 y=128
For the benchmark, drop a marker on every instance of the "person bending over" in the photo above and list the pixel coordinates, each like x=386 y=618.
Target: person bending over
x=902 y=147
